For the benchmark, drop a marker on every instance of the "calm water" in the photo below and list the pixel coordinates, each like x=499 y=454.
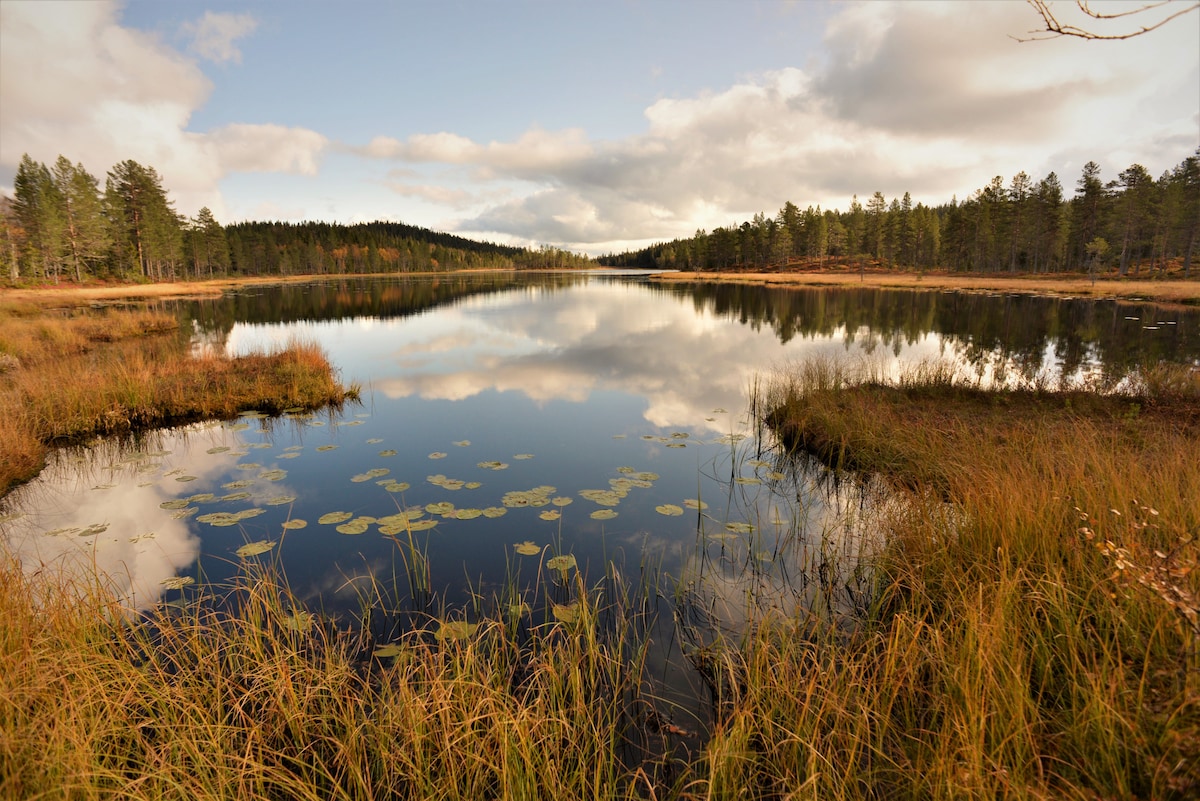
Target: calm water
x=614 y=409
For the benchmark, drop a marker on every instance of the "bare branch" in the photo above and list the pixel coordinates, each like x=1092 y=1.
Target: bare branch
x=1054 y=28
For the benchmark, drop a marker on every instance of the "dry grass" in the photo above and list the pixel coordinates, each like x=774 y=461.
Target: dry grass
x=65 y=378
x=1173 y=291
x=1035 y=633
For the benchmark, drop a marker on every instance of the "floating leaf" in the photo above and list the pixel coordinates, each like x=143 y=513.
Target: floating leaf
x=178 y=503
x=177 y=582
x=676 y=445
x=440 y=508
x=177 y=478
x=646 y=476
x=387 y=651
x=239 y=426
x=467 y=514
x=455 y=630
x=562 y=501
x=218 y=449
x=94 y=529
x=316 y=424
x=523 y=456
x=550 y=515
x=255 y=548
x=374 y=440
x=679 y=435
x=370 y=474
x=388 y=452
x=294 y=448
x=396 y=486
x=527 y=548
x=280 y=500
x=492 y=465
x=495 y=511
x=249 y=466
x=203 y=497
x=334 y=517
x=326 y=447
x=563 y=562
x=290 y=455
x=422 y=525
x=260 y=446
x=437 y=455
x=299 y=620
x=462 y=443
x=297 y=523
x=182 y=513
x=693 y=503
x=603 y=514
x=669 y=509
x=348 y=423
x=472 y=485
x=356 y=526
x=739 y=528
x=235 y=496
x=758 y=463
x=245 y=482
x=566 y=613
x=273 y=475
x=626 y=469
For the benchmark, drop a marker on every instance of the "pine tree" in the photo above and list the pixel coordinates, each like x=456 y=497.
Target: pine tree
x=85 y=231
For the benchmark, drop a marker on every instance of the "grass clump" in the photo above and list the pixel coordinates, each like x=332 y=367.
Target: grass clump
x=64 y=378
x=1035 y=629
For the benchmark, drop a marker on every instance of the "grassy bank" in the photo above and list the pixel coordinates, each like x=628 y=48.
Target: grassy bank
x=1036 y=631
x=1173 y=291
x=68 y=376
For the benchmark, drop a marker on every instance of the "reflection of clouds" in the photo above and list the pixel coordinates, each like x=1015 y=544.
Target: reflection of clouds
x=142 y=544
x=568 y=344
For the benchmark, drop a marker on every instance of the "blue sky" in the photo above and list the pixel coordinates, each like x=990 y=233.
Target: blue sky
x=595 y=126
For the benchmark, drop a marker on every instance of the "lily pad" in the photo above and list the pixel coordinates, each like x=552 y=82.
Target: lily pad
x=440 y=508
x=334 y=517
x=178 y=503
x=455 y=630
x=669 y=509
x=244 y=482
x=388 y=452
x=495 y=511
x=370 y=474
x=387 y=651
x=562 y=562
x=202 y=497
x=492 y=465
x=280 y=500
x=550 y=515
x=527 y=548
x=294 y=524
x=462 y=443
x=694 y=503
x=273 y=475
x=739 y=528
x=523 y=456
x=249 y=466
x=177 y=478
x=396 y=486
x=356 y=526
x=288 y=455
x=374 y=440
x=438 y=455
x=236 y=496
x=182 y=513
x=603 y=514
x=467 y=514
x=255 y=548
x=562 y=501
x=566 y=613
x=326 y=447
x=218 y=449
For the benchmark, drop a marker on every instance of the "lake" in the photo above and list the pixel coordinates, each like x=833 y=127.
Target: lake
x=518 y=430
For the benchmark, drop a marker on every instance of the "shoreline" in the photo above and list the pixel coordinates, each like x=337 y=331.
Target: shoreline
x=1170 y=292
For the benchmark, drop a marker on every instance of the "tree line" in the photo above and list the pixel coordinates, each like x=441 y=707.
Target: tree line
x=1027 y=226
x=61 y=224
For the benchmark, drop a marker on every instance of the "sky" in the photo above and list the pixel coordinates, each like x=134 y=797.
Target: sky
x=592 y=126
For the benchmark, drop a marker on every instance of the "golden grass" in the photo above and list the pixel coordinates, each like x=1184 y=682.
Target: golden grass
x=1035 y=632
x=65 y=378
x=1173 y=291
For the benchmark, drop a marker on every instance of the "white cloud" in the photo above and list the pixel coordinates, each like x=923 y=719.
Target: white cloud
x=920 y=97
x=75 y=82
x=213 y=35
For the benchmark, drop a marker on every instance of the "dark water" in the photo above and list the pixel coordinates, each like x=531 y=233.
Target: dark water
x=476 y=387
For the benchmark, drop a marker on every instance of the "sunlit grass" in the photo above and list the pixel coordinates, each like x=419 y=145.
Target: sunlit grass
x=65 y=378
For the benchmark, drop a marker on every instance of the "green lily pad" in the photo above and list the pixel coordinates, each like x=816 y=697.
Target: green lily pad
x=218 y=449
x=248 y=466
x=244 y=482
x=294 y=524
x=562 y=563
x=396 y=486
x=495 y=511
x=438 y=455
x=462 y=443
x=182 y=513
x=775 y=475
x=527 y=548
x=492 y=465
x=562 y=501
x=523 y=456
x=203 y=497
x=550 y=515
x=348 y=423
x=280 y=500
x=236 y=496
x=566 y=613
x=603 y=514
x=455 y=630
x=669 y=509
x=356 y=526
x=694 y=503
x=676 y=445
x=334 y=517
x=388 y=452
x=177 y=478
x=178 y=503
x=288 y=455
x=440 y=508
x=473 y=485
x=387 y=651
x=255 y=548
x=374 y=440
x=467 y=514
x=273 y=475
x=326 y=447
